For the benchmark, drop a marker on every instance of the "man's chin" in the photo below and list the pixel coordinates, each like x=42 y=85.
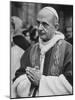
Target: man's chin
x=43 y=38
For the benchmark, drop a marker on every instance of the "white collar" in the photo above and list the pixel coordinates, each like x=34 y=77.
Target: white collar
x=45 y=46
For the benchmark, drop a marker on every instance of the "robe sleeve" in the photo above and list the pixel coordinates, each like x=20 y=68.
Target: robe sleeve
x=21 y=87
x=67 y=71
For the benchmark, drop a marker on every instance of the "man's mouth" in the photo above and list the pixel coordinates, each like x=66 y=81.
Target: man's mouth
x=41 y=33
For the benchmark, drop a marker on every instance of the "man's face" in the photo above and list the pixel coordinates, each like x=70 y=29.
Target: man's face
x=46 y=28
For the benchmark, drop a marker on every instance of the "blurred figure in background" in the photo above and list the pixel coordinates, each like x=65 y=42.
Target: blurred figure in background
x=16 y=51
x=17 y=35
x=15 y=26
x=26 y=33
x=34 y=35
x=31 y=34
x=69 y=30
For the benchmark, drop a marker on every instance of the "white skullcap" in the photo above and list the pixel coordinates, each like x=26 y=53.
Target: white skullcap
x=52 y=10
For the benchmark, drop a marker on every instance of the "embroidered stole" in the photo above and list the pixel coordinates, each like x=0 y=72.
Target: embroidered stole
x=53 y=63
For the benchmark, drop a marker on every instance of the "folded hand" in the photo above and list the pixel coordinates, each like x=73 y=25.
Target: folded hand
x=34 y=75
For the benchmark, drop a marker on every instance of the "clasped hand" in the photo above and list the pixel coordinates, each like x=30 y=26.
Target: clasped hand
x=34 y=75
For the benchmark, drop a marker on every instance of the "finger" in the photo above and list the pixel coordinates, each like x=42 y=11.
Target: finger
x=30 y=78
x=30 y=74
x=37 y=67
x=31 y=70
x=28 y=68
x=34 y=74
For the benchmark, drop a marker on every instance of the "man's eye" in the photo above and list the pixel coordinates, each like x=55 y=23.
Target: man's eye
x=38 y=23
x=44 y=24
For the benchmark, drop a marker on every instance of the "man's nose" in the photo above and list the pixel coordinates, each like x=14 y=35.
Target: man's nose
x=40 y=27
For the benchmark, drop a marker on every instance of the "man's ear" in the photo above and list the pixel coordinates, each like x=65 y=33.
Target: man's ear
x=56 y=26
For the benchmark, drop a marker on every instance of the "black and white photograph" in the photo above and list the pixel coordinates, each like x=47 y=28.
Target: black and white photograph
x=41 y=49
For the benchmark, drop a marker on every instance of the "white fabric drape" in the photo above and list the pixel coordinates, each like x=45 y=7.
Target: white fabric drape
x=53 y=85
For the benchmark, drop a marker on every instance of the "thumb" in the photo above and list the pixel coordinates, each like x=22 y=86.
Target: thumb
x=37 y=67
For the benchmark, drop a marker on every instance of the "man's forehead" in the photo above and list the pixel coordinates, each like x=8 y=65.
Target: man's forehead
x=47 y=13
x=45 y=16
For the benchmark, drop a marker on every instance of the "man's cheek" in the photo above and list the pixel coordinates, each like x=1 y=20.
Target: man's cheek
x=43 y=36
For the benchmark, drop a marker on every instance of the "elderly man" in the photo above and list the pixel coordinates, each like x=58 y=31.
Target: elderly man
x=46 y=67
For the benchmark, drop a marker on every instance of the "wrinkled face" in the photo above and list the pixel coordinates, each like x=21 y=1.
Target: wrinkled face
x=45 y=22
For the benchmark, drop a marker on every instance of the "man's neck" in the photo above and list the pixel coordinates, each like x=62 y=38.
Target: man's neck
x=46 y=40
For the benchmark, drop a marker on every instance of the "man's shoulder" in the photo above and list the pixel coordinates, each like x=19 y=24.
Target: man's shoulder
x=64 y=42
x=63 y=45
x=66 y=46
x=31 y=48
